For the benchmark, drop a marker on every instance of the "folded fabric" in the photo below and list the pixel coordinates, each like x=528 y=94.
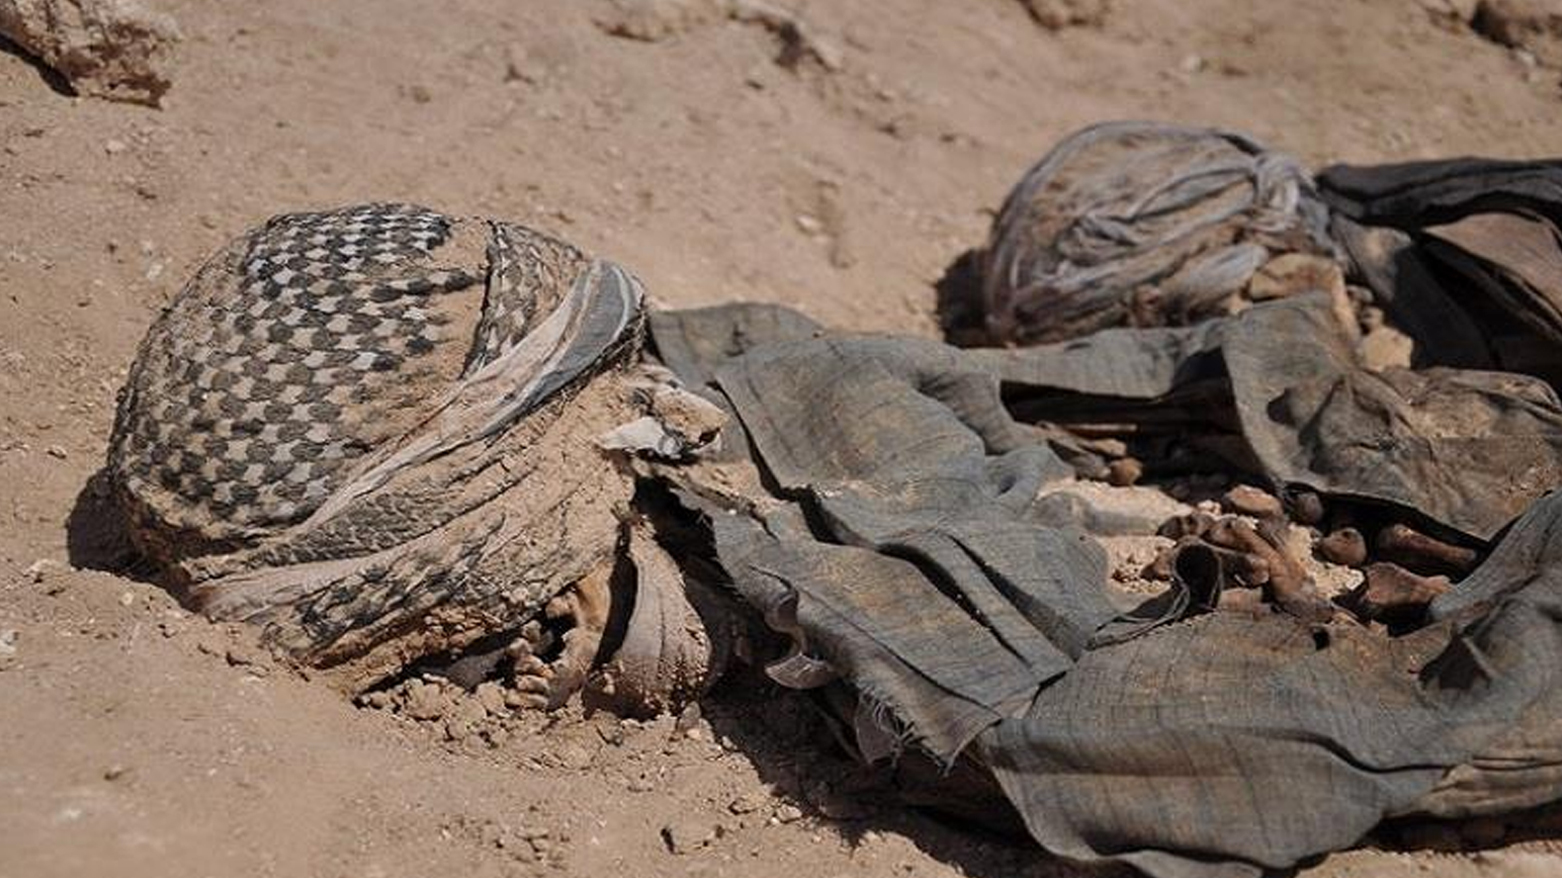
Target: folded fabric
x=1143 y=224
x=1465 y=255
x=890 y=526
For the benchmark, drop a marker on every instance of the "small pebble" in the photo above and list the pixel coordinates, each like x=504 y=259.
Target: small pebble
x=491 y=696
x=243 y=654
x=611 y=733
x=40 y=569
x=745 y=804
x=687 y=836
x=1124 y=471
x=424 y=701
x=573 y=756
x=1248 y=500
x=689 y=719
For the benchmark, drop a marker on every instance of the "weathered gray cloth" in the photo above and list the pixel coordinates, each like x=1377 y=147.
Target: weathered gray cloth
x=1227 y=742
x=1145 y=224
x=889 y=525
x=1465 y=255
x=908 y=466
x=1468 y=451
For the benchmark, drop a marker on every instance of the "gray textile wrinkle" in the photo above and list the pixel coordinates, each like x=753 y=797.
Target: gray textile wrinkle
x=1463 y=255
x=900 y=515
x=1466 y=450
x=902 y=488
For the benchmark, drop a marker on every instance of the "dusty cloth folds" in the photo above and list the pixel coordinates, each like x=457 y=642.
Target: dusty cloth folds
x=1144 y=224
x=1466 y=450
x=904 y=482
x=1463 y=254
x=898 y=512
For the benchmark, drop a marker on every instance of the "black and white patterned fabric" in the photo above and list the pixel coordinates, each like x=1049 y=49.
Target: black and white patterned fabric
x=266 y=380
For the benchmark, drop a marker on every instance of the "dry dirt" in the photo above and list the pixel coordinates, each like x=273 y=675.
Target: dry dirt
x=136 y=740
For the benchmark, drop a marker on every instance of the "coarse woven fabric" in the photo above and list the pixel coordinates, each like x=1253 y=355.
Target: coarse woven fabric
x=369 y=430
x=1143 y=224
x=897 y=542
x=1228 y=744
x=1464 y=255
x=1464 y=451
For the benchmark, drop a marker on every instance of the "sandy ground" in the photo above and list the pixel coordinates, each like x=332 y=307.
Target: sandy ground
x=138 y=741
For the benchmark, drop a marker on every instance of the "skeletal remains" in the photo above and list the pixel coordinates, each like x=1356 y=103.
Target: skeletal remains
x=385 y=435
x=399 y=442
